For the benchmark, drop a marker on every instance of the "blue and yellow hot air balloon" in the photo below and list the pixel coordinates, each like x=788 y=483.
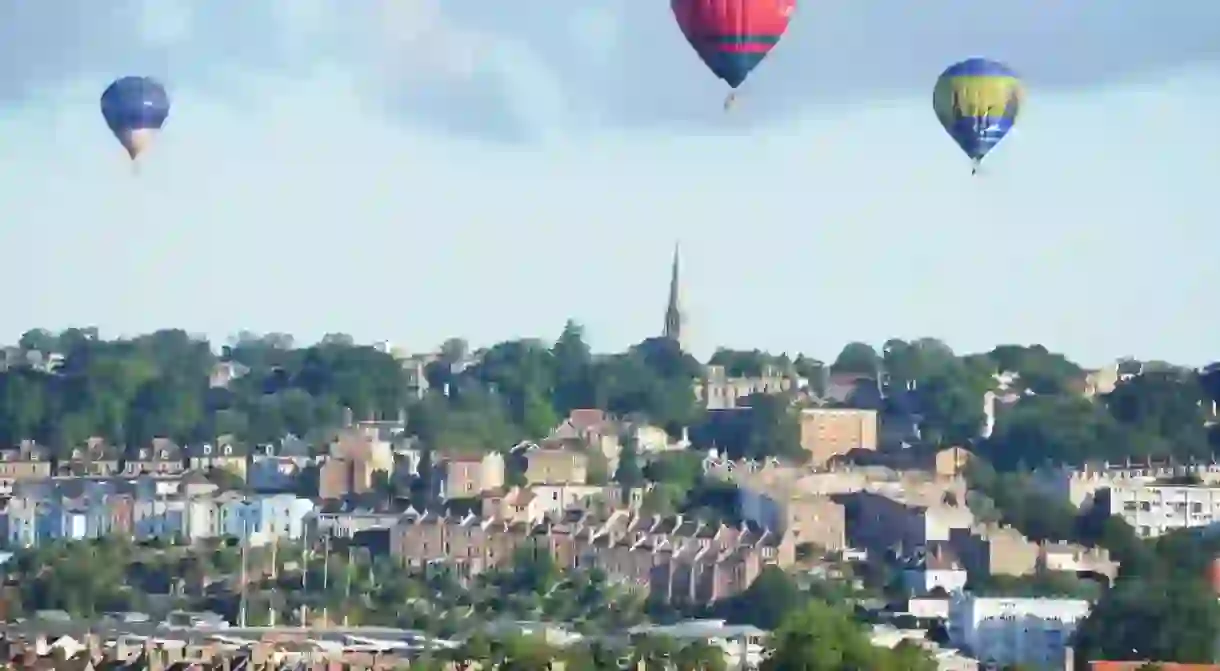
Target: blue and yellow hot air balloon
x=135 y=109
x=977 y=101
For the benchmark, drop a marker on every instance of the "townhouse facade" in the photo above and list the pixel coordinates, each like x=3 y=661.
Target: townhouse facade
x=32 y=520
x=671 y=558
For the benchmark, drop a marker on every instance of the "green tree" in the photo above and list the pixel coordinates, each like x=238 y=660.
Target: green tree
x=700 y=656
x=857 y=357
x=751 y=363
x=38 y=340
x=653 y=379
x=1167 y=618
x=773 y=428
x=630 y=473
x=1040 y=430
x=1165 y=411
x=908 y=656
x=772 y=598
x=1041 y=371
x=820 y=637
x=573 y=370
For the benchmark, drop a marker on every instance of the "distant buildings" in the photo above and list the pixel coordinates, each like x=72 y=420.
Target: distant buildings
x=125 y=509
x=827 y=433
x=1153 y=510
x=669 y=558
x=1014 y=631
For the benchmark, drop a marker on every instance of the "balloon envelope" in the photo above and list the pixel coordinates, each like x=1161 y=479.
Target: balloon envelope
x=977 y=101
x=733 y=36
x=135 y=108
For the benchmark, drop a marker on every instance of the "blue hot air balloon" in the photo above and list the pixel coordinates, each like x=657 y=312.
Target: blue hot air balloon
x=135 y=108
x=977 y=102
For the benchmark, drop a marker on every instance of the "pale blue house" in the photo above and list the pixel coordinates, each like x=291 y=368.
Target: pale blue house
x=260 y=519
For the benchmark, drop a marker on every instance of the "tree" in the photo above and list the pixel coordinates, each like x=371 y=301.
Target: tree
x=951 y=406
x=573 y=369
x=767 y=602
x=752 y=363
x=820 y=637
x=38 y=340
x=629 y=473
x=857 y=357
x=597 y=467
x=1057 y=429
x=773 y=428
x=653 y=379
x=812 y=370
x=1166 y=410
x=700 y=656
x=908 y=656
x=1167 y=618
x=1039 y=370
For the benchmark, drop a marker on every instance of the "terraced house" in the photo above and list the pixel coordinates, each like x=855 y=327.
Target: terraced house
x=675 y=558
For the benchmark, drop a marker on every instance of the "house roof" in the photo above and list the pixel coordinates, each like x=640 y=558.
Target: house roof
x=583 y=419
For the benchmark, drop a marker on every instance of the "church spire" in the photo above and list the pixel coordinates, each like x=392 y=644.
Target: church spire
x=674 y=319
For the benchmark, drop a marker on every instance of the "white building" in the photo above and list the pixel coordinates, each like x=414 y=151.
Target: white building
x=1079 y=486
x=938 y=570
x=1153 y=510
x=1004 y=631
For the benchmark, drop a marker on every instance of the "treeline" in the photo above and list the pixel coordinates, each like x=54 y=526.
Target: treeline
x=129 y=391
x=157 y=385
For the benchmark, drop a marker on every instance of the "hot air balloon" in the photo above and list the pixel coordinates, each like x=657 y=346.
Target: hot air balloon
x=135 y=108
x=733 y=36
x=977 y=101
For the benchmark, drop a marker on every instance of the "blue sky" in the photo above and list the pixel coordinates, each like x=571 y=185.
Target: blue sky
x=408 y=172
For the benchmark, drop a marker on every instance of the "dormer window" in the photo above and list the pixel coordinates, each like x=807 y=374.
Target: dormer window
x=207 y=449
x=228 y=450
x=165 y=454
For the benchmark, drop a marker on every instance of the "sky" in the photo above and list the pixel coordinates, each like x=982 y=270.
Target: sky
x=412 y=171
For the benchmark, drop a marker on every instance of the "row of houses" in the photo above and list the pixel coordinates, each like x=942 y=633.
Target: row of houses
x=672 y=558
x=1154 y=498
x=140 y=514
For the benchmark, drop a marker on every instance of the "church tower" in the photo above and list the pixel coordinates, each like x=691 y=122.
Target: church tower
x=674 y=319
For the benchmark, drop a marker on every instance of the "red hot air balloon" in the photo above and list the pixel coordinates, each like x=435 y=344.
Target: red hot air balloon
x=733 y=36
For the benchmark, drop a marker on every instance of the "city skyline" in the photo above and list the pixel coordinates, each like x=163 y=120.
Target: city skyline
x=410 y=173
